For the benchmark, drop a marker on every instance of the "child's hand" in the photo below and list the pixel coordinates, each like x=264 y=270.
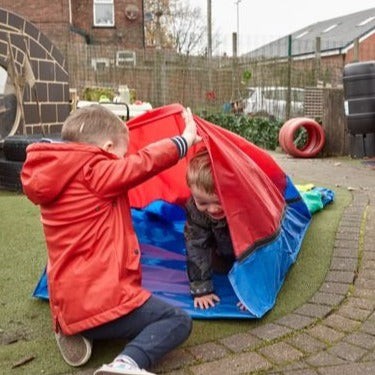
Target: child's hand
x=241 y=306
x=207 y=301
x=190 y=132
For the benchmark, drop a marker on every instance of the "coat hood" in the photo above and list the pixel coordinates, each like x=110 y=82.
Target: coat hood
x=49 y=167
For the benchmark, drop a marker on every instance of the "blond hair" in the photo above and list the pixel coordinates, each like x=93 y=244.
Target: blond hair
x=93 y=124
x=199 y=172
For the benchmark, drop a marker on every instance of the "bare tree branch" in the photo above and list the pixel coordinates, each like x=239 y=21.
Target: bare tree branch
x=178 y=25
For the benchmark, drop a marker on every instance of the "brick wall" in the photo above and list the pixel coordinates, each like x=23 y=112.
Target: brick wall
x=39 y=11
x=47 y=102
x=52 y=18
x=366 y=50
x=126 y=33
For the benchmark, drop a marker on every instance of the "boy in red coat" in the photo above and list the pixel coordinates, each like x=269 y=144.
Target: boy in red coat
x=93 y=268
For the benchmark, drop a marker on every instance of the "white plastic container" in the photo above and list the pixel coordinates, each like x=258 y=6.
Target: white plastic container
x=124 y=94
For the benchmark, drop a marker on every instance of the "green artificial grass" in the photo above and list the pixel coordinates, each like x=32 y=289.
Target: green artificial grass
x=25 y=322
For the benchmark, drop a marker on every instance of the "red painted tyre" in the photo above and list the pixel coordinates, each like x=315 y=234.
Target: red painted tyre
x=282 y=135
x=314 y=141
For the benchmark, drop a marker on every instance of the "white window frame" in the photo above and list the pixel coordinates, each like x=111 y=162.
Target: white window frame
x=125 y=61
x=100 y=60
x=104 y=2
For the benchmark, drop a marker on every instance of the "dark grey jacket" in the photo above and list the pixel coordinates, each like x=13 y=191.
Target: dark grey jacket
x=207 y=242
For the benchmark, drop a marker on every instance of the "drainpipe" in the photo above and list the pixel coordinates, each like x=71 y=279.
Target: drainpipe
x=77 y=30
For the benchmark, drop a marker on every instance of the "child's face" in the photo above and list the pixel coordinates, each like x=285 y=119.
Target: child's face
x=207 y=203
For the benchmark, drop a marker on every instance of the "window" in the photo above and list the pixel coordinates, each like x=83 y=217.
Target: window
x=104 y=13
x=330 y=28
x=302 y=34
x=100 y=63
x=366 y=21
x=124 y=58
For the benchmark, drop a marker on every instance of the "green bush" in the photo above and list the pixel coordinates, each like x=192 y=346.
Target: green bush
x=261 y=131
x=95 y=93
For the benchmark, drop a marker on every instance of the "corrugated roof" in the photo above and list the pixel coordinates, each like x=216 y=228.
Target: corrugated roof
x=335 y=34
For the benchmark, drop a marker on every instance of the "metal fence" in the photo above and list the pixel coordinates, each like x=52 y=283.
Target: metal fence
x=161 y=77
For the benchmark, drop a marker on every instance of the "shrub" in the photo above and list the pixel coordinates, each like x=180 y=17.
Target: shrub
x=95 y=93
x=261 y=131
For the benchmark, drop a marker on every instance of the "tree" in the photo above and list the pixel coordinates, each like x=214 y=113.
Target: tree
x=156 y=33
x=187 y=28
x=175 y=24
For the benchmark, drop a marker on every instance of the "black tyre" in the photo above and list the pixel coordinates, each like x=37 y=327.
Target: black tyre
x=10 y=175
x=15 y=145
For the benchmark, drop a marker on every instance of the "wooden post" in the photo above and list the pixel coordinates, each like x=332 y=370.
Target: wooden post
x=236 y=94
x=317 y=58
x=289 y=79
x=209 y=44
x=335 y=124
x=356 y=50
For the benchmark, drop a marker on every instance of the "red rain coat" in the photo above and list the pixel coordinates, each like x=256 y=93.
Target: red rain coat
x=93 y=268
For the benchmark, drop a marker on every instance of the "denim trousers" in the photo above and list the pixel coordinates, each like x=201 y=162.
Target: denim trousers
x=154 y=329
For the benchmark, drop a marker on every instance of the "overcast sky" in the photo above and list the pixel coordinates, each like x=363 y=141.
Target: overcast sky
x=265 y=20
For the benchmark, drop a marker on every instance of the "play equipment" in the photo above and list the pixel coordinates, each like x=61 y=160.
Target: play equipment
x=313 y=144
x=266 y=215
x=123 y=110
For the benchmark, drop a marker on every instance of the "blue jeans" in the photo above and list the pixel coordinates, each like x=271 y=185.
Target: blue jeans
x=155 y=328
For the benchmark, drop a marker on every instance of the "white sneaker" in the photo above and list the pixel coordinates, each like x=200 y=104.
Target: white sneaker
x=118 y=367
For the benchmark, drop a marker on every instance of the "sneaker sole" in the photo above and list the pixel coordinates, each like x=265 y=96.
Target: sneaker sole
x=107 y=370
x=83 y=360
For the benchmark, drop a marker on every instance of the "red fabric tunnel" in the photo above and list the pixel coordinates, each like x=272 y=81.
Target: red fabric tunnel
x=260 y=192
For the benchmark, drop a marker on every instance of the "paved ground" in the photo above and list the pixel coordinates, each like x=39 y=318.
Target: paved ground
x=332 y=333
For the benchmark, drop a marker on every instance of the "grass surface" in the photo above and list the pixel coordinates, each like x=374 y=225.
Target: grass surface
x=25 y=323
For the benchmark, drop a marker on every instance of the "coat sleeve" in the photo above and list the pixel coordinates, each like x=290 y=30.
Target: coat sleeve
x=199 y=243
x=108 y=177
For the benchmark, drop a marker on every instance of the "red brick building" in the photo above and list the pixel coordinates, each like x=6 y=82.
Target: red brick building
x=117 y=22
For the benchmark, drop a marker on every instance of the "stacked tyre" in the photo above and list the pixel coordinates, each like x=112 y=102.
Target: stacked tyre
x=14 y=154
x=314 y=137
x=359 y=105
